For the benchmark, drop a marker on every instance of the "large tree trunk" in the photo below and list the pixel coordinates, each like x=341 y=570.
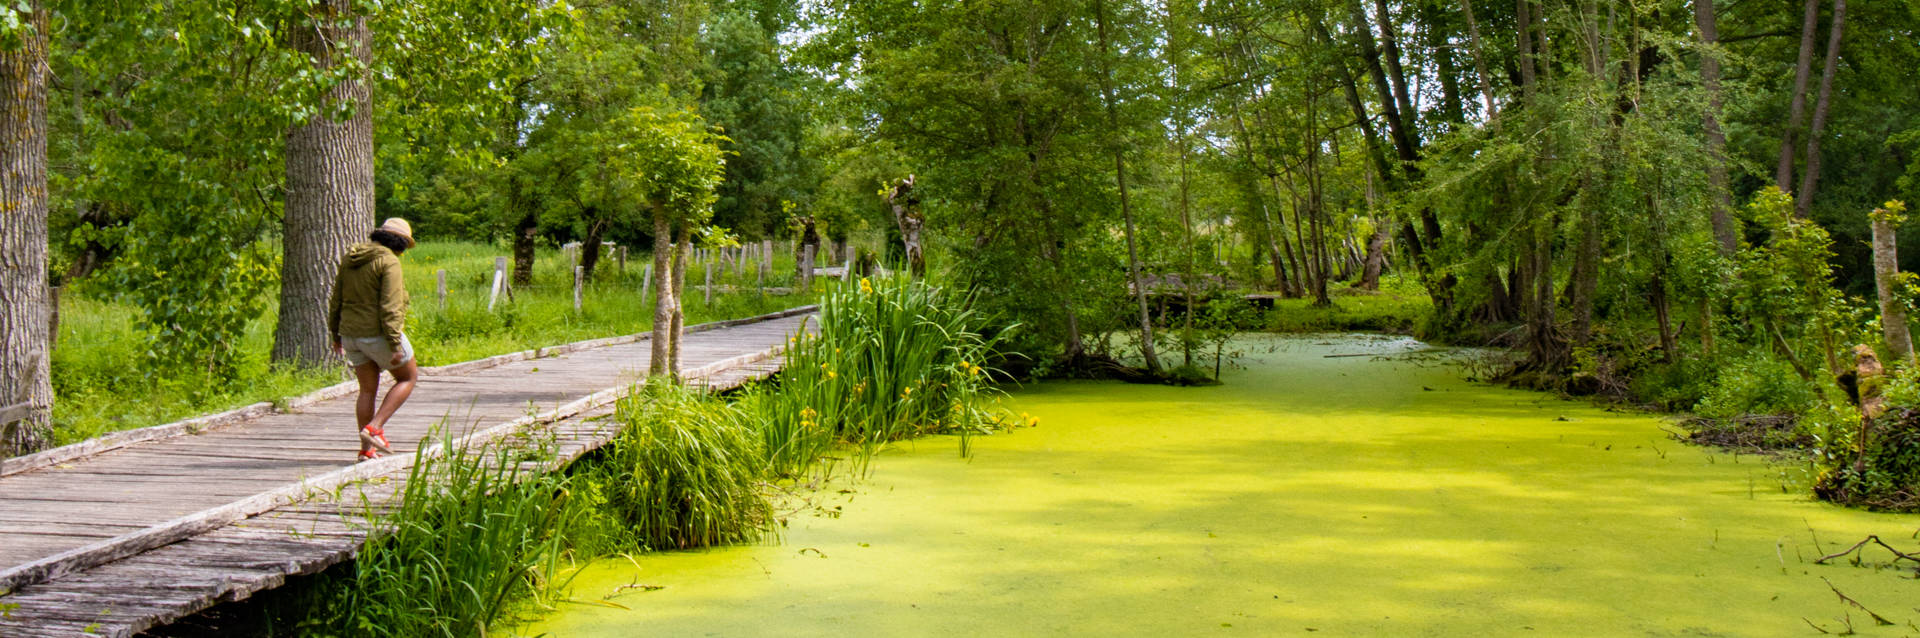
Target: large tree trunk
x=1797 y=109
x=1886 y=264
x=1523 y=45
x=524 y=234
x=1720 y=199
x=590 y=249
x=1809 y=178
x=1390 y=51
x=329 y=199
x=25 y=343
x=665 y=302
x=1376 y=258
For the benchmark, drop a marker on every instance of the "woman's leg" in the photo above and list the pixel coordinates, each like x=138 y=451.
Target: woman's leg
x=403 y=380
x=369 y=377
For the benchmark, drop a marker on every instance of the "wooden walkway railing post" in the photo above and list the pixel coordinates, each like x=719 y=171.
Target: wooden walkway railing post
x=440 y=286
x=579 y=281
x=499 y=280
x=646 y=282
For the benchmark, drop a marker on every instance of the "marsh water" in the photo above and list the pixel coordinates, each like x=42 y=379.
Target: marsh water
x=1349 y=495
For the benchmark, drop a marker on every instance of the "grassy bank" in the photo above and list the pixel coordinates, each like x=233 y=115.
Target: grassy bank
x=1401 y=306
x=104 y=383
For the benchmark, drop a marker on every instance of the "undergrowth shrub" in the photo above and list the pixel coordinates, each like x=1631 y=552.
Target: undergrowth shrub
x=1875 y=463
x=1756 y=384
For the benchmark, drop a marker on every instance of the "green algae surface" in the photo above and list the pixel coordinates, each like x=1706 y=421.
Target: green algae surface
x=1347 y=496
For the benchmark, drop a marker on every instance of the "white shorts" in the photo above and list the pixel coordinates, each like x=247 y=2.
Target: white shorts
x=364 y=350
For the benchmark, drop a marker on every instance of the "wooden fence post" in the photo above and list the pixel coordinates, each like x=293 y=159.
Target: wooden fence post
x=579 y=279
x=499 y=280
x=766 y=254
x=806 y=267
x=623 y=260
x=761 y=280
x=646 y=282
x=709 y=284
x=440 y=287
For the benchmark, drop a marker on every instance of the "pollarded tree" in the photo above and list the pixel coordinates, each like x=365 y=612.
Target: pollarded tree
x=24 y=338
x=670 y=162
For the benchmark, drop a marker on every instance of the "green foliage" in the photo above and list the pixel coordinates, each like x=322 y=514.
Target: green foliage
x=686 y=471
x=1757 y=384
x=757 y=101
x=1400 y=307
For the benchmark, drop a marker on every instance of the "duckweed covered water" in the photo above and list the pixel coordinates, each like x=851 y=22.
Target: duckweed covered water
x=1342 y=496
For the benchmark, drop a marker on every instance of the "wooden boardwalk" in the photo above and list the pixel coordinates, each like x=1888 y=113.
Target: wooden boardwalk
x=123 y=540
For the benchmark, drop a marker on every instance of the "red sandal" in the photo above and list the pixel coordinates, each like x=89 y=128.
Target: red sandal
x=376 y=437
x=367 y=455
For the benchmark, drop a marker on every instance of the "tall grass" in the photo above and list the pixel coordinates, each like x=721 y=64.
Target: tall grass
x=892 y=358
x=473 y=537
x=684 y=472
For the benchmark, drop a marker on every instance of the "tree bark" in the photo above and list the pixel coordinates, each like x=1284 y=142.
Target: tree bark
x=1720 y=199
x=1886 y=264
x=665 y=302
x=1796 y=111
x=678 y=330
x=524 y=234
x=1480 y=62
x=25 y=343
x=590 y=249
x=1390 y=50
x=1523 y=45
x=1810 y=177
x=329 y=198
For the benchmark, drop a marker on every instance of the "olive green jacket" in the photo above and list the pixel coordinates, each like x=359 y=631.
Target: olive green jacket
x=369 y=296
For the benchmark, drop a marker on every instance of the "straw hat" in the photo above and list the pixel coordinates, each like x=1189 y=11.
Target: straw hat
x=399 y=227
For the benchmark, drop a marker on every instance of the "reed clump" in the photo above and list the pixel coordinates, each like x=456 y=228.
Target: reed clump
x=473 y=538
x=892 y=359
x=685 y=471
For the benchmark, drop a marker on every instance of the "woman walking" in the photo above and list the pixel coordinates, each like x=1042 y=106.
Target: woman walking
x=367 y=317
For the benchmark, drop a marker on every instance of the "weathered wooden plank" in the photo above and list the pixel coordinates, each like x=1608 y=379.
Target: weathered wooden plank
x=272 y=545
x=46 y=628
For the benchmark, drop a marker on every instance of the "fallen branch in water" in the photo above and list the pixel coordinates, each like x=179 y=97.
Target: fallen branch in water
x=1378 y=354
x=1856 y=604
x=1872 y=538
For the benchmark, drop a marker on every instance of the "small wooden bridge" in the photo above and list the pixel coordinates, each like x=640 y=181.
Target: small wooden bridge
x=116 y=535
